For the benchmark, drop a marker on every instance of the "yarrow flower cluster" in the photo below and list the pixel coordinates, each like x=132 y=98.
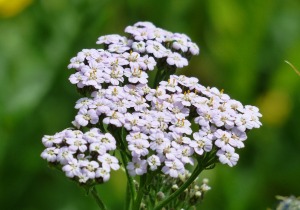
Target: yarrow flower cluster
x=161 y=123
x=83 y=156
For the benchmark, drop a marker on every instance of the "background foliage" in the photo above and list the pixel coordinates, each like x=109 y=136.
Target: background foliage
x=243 y=48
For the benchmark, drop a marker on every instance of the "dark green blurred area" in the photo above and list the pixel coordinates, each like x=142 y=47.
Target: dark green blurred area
x=243 y=48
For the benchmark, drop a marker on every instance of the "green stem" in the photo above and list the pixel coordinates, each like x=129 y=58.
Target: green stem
x=130 y=183
x=97 y=198
x=157 y=77
x=138 y=200
x=185 y=185
x=128 y=198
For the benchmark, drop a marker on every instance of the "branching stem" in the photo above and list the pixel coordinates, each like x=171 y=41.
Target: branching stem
x=185 y=185
x=97 y=198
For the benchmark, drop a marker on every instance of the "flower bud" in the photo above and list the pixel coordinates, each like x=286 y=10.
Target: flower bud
x=205 y=181
x=198 y=194
x=174 y=187
x=205 y=187
x=191 y=193
x=160 y=196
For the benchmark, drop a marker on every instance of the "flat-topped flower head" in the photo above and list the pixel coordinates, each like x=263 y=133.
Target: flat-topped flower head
x=82 y=155
x=135 y=105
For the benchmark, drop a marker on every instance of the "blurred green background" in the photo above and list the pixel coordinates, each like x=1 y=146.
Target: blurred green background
x=243 y=48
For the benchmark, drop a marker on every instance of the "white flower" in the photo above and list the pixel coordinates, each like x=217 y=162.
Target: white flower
x=78 y=78
x=109 y=39
x=175 y=59
x=223 y=119
x=135 y=136
x=115 y=60
x=161 y=35
x=114 y=118
x=138 y=148
x=104 y=173
x=162 y=116
x=159 y=140
x=156 y=48
x=153 y=162
x=207 y=131
x=98 y=94
x=171 y=85
x=253 y=109
x=201 y=144
x=97 y=147
x=118 y=48
x=85 y=116
x=179 y=139
x=64 y=155
x=224 y=140
x=220 y=94
x=187 y=97
x=140 y=104
x=150 y=126
x=48 y=141
x=73 y=133
x=148 y=63
x=92 y=135
x=141 y=34
x=228 y=157
x=114 y=75
x=181 y=126
x=50 y=154
x=121 y=106
x=109 y=162
x=193 y=48
x=136 y=75
x=235 y=105
x=139 y=46
x=173 y=168
x=93 y=74
x=101 y=105
x=72 y=168
x=77 y=62
x=167 y=152
x=178 y=108
x=83 y=103
x=133 y=122
x=238 y=137
x=77 y=144
x=89 y=168
x=82 y=177
x=179 y=43
x=114 y=93
x=254 y=115
x=133 y=58
x=145 y=24
x=185 y=153
x=137 y=167
x=205 y=116
x=243 y=122
x=130 y=92
x=159 y=93
x=108 y=141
